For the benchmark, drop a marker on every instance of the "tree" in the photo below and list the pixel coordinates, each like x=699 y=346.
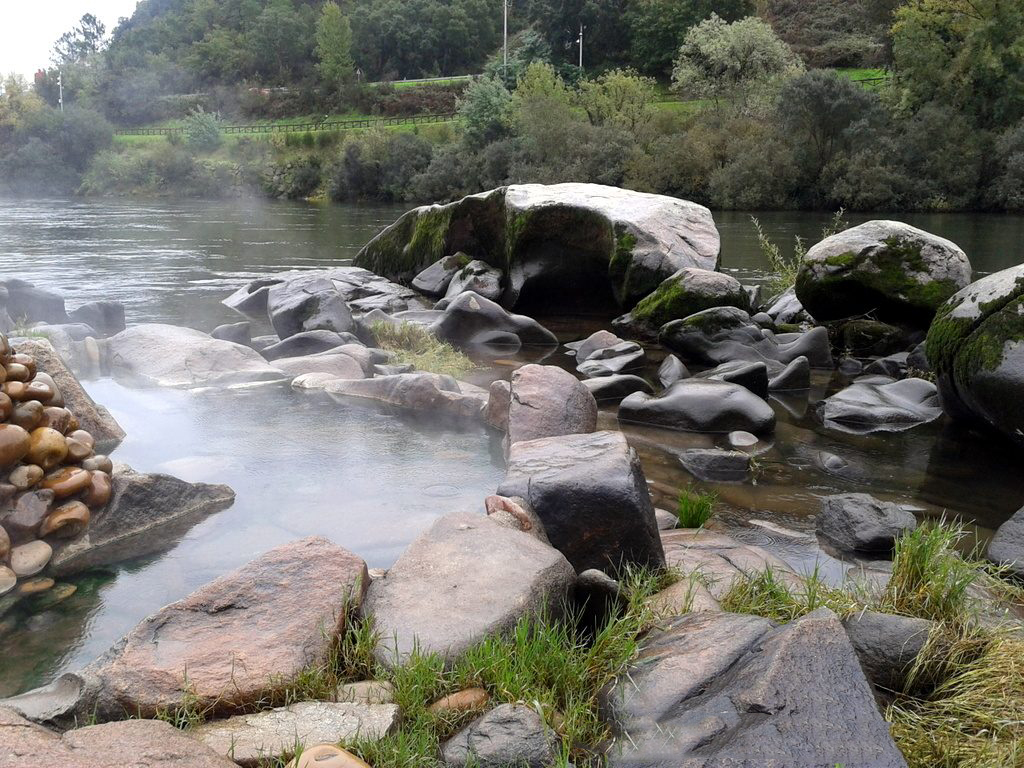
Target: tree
x=657 y=28
x=606 y=38
x=334 y=46
x=486 y=112
x=620 y=98
x=964 y=54
x=738 y=64
x=81 y=42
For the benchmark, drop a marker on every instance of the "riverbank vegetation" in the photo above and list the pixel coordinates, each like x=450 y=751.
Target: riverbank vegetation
x=411 y=344
x=667 y=103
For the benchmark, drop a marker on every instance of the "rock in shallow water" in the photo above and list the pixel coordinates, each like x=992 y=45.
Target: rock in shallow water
x=609 y=390
x=1007 y=546
x=547 y=401
x=717 y=689
x=688 y=291
x=881 y=405
x=464 y=579
x=701 y=405
x=859 y=522
x=473 y=321
x=591 y=494
x=263 y=622
x=307 y=303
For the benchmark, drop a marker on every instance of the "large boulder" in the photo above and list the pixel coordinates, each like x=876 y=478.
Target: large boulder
x=701 y=405
x=479 y=277
x=591 y=494
x=463 y=580
x=307 y=304
x=621 y=358
x=726 y=334
x=688 y=291
x=470 y=320
x=889 y=269
x=93 y=418
x=231 y=641
x=717 y=689
x=1007 y=547
x=27 y=304
x=171 y=356
x=128 y=744
x=435 y=279
x=582 y=243
x=145 y=514
x=308 y=343
x=976 y=348
x=610 y=390
x=860 y=522
x=340 y=365
x=107 y=317
x=546 y=401
x=879 y=404
x=887 y=645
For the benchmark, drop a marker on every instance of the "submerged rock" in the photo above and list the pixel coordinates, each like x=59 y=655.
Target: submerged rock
x=712 y=465
x=106 y=317
x=591 y=494
x=890 y=269
x=859 y=522
x=227 y=642
x=701 y=405
x=463 y=580
x=976 y=348
x=588 y=243
x=615 y=360
x=727 y=689
x=688 y=291
x=881 y=405
x=478 y=277
x=727 y=334
x=427 y=393
x=752 y=376
x=547 y=401
x=613 y=389
x=170 y=356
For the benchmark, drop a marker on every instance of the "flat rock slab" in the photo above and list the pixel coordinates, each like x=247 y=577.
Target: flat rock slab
x=127 y=744
x=881 y=405
x=719 y=560
x=170 y=356
x=230 y=641
x=427 y=393
x=247 y=739
x=591 y=494
x=463 y=580
x=722 y=689
x=146 y=514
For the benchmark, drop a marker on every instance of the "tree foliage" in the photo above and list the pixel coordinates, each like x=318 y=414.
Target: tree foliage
x=334 y=46
x=657 y=28
x=80 y=42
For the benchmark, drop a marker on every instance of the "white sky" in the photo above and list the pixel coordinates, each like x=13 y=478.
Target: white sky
x=28 y=29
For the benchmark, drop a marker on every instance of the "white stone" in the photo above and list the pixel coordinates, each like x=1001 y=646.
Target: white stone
x=29 y=559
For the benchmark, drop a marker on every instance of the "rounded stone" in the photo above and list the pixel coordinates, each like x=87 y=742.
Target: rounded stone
x=35 y=586
x=47 y=447
x=98 y=492
x=5 y=543
x=6 y=407
x=39 y=390
x=67 y=481
x=83 y=437
x=78 y=451
x=56 y=418
x=28 y=415
x=15 y=442
x=17 y=372
x=468 y=700
x=8 y=579
x=25 y=476
x=327 y=756
x=51 y=597
x=26 y=360
x=56 y=399
x=66 y=521
x=99 y=462
x=29 y=559
x=741 y=439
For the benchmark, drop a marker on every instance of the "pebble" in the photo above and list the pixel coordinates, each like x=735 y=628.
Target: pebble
x=741 y=439
x=98 y=493
x=29 y=559
x=35 y=586
x=47 y=447
x=66 y=521
x=67 y=481
x=468 y=700
x=51 y=597
x=5 y=543
x=7 y=579
x=14 y=444
x=28 y=415
x=327 y=756
x=25 y=476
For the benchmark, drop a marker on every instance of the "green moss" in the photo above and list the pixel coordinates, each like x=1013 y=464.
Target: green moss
x=672 y=301
x=841 y=259
x=983 y=349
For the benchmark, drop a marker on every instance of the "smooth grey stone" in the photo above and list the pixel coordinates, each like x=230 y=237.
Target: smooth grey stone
x=107 y=317
x=1007 y=547
x=701 y=405
x=612 y=389
x=887 y=645
x=751 y=375
x=435 y=279
x=307 y=343
x=712 y=465
x=239 y=333
x=672 y=370
x=794 y=377
x=860 y=522
x=508 y=735
x=881 y=405
x=305 y=304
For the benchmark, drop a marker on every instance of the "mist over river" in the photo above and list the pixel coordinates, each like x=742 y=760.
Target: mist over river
x=370 y=479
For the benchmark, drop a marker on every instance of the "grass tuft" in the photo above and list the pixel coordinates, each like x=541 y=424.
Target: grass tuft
x=695 y=507
x=415 y=345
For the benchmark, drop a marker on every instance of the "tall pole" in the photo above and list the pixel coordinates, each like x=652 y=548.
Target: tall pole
x=60 y=89
x=505 y=4
x=581 y=45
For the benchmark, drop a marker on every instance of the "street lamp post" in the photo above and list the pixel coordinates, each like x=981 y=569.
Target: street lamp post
x=60 y=89
x=505 y=46
x=580 y=41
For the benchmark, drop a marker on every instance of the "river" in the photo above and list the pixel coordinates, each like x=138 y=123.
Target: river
x=370 y=479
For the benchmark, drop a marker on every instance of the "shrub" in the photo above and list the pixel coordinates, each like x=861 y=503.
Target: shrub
x=694 y=508
x=415 y=345
x=203 y=130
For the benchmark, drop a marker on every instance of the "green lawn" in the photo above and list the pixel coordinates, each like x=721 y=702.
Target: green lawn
x=862 y=73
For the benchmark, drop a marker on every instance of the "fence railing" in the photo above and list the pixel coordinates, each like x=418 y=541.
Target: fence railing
x=326 y=125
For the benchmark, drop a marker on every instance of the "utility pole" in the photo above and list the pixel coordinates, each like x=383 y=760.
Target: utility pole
x=505 y=4
x=581 y=44
x=60 y=90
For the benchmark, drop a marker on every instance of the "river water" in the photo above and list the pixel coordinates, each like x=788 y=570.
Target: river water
x=371 y=479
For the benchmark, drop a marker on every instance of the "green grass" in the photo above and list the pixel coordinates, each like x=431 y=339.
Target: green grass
x=694 y=507
x=414 y=345
x=862 y=73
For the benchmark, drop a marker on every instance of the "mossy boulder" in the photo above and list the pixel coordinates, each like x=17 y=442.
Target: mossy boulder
x=890 y=270
x=868 y=337
x=564 y=245
x=688 y=291
x=976 y=348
